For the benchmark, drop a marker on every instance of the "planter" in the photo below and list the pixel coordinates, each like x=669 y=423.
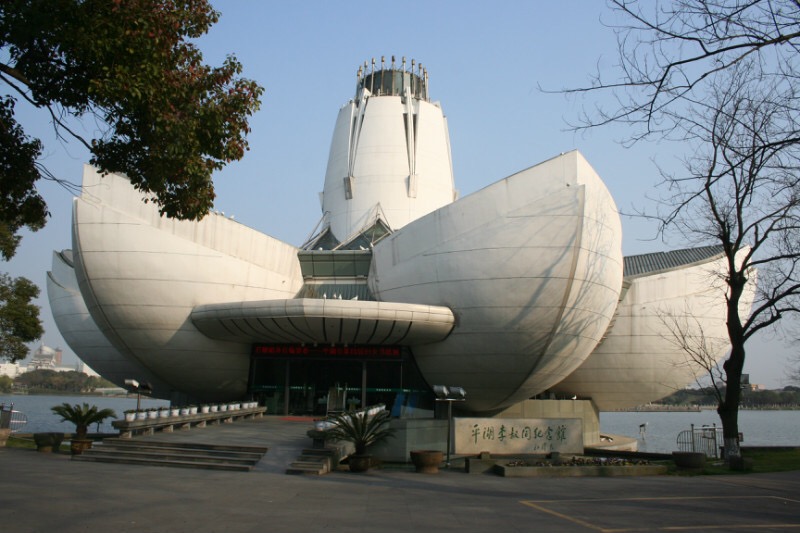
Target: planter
x=174 y=412
x=427 y=461
x=214 y=408
x=193 y=410
x=141 y=415
x=164 y=413
x=223 y=407
x=359 y=463
x=152 y=414
x=78 y=446
x=130 y=417
x=184 y=411
x=48 y=442
x=204 y=409
x=689 y=459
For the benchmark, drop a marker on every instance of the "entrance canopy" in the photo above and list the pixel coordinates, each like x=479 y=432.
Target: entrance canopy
x=325 y=321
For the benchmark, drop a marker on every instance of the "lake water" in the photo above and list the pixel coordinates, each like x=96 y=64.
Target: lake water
x=42 y=419
x=759 y=428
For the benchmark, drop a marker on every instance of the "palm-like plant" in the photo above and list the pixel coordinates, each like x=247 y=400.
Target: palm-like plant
x=82 y=416
x=362 y=429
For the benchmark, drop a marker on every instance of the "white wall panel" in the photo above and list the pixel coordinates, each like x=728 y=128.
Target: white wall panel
x=640 y=361
x=468 y=256
x=141 y=275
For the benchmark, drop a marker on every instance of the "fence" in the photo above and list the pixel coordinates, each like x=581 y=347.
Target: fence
x=11 y=419
x=705 y=439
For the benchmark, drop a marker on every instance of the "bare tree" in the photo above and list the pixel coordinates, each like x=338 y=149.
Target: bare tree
x=671 y=50
x=722 y=78
x=702 y=351
x=742 y=189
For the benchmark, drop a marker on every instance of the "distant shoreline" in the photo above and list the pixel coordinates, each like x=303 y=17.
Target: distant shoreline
x=699 y=408
x=68 y=393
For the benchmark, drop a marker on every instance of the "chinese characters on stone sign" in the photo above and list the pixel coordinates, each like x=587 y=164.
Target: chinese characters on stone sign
x=498 y=435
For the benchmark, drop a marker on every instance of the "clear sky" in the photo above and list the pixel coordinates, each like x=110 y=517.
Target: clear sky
x=486 y=63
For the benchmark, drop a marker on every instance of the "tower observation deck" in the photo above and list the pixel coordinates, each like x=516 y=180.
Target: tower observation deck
x=393 y=81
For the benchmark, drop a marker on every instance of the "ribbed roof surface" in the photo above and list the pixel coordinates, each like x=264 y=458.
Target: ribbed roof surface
x=637 y=265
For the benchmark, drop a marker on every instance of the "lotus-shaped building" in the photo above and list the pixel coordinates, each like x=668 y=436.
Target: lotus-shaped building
x=517 y=290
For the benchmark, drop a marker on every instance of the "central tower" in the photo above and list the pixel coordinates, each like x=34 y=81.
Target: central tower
x=389 y=160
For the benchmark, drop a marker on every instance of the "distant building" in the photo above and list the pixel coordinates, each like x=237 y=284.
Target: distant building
x=44 y=357
x=11 y=370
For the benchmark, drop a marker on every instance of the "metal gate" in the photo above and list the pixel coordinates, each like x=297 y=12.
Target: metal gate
x=11 y=419
x=705 y=439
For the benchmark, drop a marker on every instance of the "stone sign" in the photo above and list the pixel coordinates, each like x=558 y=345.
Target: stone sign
x=518 y=435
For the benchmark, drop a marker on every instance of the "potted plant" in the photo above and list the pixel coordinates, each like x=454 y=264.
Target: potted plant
x=130 y=415
x=362 y=429
x=82 y=416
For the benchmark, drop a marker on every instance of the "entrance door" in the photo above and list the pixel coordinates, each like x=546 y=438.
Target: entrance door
x=310 y=382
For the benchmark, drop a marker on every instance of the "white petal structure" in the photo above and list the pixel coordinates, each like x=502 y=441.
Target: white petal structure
x=141 y=275
x=81 y=332
x=515 y=290
x=677 y=301
x=532 y=268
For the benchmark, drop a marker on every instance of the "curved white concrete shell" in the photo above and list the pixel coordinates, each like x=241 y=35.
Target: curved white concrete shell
x=642 y=360
x=82 y=334
x=532 y=268
x=141 y=275
x=389 y=159
x=323 y=321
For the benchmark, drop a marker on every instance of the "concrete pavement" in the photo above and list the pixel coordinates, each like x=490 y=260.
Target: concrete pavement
x=49 y=492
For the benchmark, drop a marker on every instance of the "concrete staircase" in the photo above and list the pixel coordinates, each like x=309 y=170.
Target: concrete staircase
x=315 y=461
x=174 y=454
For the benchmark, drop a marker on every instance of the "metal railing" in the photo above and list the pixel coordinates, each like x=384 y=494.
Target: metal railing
x=705 y=439
x=11 y=419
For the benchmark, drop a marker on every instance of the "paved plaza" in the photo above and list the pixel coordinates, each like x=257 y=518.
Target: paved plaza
x=49 y=492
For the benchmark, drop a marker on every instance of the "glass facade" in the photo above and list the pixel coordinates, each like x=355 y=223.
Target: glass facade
x=302 y=381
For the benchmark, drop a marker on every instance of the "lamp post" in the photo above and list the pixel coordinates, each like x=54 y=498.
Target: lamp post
x=449 y=395
x=135 y=386
x=139 y=387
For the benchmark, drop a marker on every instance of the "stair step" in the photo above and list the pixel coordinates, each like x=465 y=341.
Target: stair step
x=175 y=444
x=111 y=448
x=323 y=452
x=310 y=464
x=306 y=470
x=174 y=454
x=198 y=458
x=155 y=462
